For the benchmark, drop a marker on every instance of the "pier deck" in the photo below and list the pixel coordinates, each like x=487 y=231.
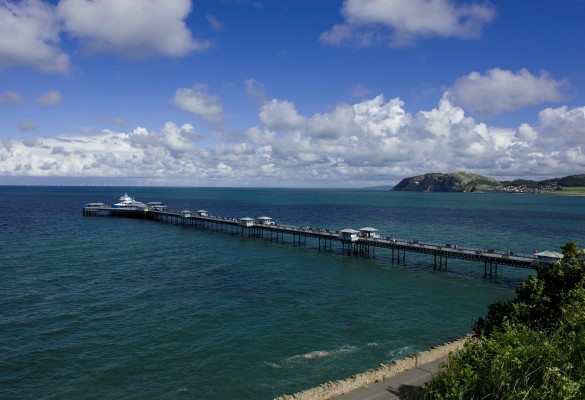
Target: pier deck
x=351 y=242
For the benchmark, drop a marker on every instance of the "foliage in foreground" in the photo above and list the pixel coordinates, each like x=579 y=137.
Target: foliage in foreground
x=532 y=347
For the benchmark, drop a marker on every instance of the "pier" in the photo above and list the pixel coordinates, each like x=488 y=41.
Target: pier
x=351 y=242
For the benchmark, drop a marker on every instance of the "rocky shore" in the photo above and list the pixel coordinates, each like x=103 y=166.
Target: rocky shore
x=332 y=389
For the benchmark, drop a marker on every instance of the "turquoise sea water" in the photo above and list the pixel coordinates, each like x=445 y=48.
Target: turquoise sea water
x=119 y=308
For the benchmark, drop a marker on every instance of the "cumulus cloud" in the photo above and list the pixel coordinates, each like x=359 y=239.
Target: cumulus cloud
x=29 y=36
x=10 y=98
x=50 y=98
x=30 y=30
x=563 y=127
x=179 y=139
x=197 y=101
x=373 y=141
x=131 y=28
x=399 y=22
x=499 y=90
x=281 y=115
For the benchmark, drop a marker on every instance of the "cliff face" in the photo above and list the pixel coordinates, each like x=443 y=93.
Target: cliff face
x=455 y=182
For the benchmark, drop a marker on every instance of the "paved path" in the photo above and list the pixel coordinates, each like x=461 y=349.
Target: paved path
x=397 y=387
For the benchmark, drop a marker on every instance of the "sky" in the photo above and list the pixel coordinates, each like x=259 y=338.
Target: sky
x=289 y=93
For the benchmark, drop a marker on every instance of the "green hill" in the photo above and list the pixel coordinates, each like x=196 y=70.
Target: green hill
x=468 y=182
x=453 y=182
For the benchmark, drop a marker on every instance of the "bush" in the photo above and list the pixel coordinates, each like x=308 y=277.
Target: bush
x=530 y=348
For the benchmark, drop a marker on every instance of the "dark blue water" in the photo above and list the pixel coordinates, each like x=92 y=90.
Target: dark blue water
x=119 y=308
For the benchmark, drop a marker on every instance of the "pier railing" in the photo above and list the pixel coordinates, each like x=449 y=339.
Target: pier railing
x=356 y=244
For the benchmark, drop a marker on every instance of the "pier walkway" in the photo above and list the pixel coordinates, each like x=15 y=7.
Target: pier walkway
x=359 y=242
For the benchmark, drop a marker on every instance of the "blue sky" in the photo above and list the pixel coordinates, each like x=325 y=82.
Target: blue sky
x=328 y=93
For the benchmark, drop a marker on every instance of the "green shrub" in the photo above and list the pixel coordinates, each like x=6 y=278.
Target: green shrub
x=530 y=348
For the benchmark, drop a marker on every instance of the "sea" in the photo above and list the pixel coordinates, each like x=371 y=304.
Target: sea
x=120 y=308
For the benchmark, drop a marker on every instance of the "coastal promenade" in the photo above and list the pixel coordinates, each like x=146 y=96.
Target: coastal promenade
x=400 y=386
x=399 y=379
x=350 y=241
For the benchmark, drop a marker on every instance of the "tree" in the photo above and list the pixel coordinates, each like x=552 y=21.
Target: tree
x=532 y=347
x=539 y=301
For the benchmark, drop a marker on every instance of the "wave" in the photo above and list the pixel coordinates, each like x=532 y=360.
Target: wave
x=398 y=353
x=313 y=355
x=273 y=364
x=323 y=353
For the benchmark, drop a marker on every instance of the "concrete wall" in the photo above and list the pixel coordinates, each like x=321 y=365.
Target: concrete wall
x=384 y=371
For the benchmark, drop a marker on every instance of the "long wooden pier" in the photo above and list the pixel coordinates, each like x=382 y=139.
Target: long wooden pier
x=359 y=242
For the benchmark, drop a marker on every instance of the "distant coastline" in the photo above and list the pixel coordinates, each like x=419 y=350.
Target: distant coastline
x=469 y=182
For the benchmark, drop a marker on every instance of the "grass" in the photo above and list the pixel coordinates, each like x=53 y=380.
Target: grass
x=572 y=191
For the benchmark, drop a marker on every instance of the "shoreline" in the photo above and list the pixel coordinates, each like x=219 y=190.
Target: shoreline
x=340 y=387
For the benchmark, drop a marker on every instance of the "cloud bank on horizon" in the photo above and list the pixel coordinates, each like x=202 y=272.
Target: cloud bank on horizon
x=168 y=63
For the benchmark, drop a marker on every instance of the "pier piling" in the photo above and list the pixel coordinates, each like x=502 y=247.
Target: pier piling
x=364 y=243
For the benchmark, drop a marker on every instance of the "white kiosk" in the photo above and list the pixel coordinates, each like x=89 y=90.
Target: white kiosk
x=349 y=234
x=265 y=221
x=247 y=222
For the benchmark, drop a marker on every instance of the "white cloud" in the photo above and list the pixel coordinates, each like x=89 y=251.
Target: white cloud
x=368 y=21
x=199 y=102
x=374 y=141
x=526 y=133
x=338 y=123
x=50 y=98
x=281 y=115
x=562 y=127
x=501 y=90
x=29 y=36
x=181 y=139
x=30 y=30
x=10 y=98
x=131 y=28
